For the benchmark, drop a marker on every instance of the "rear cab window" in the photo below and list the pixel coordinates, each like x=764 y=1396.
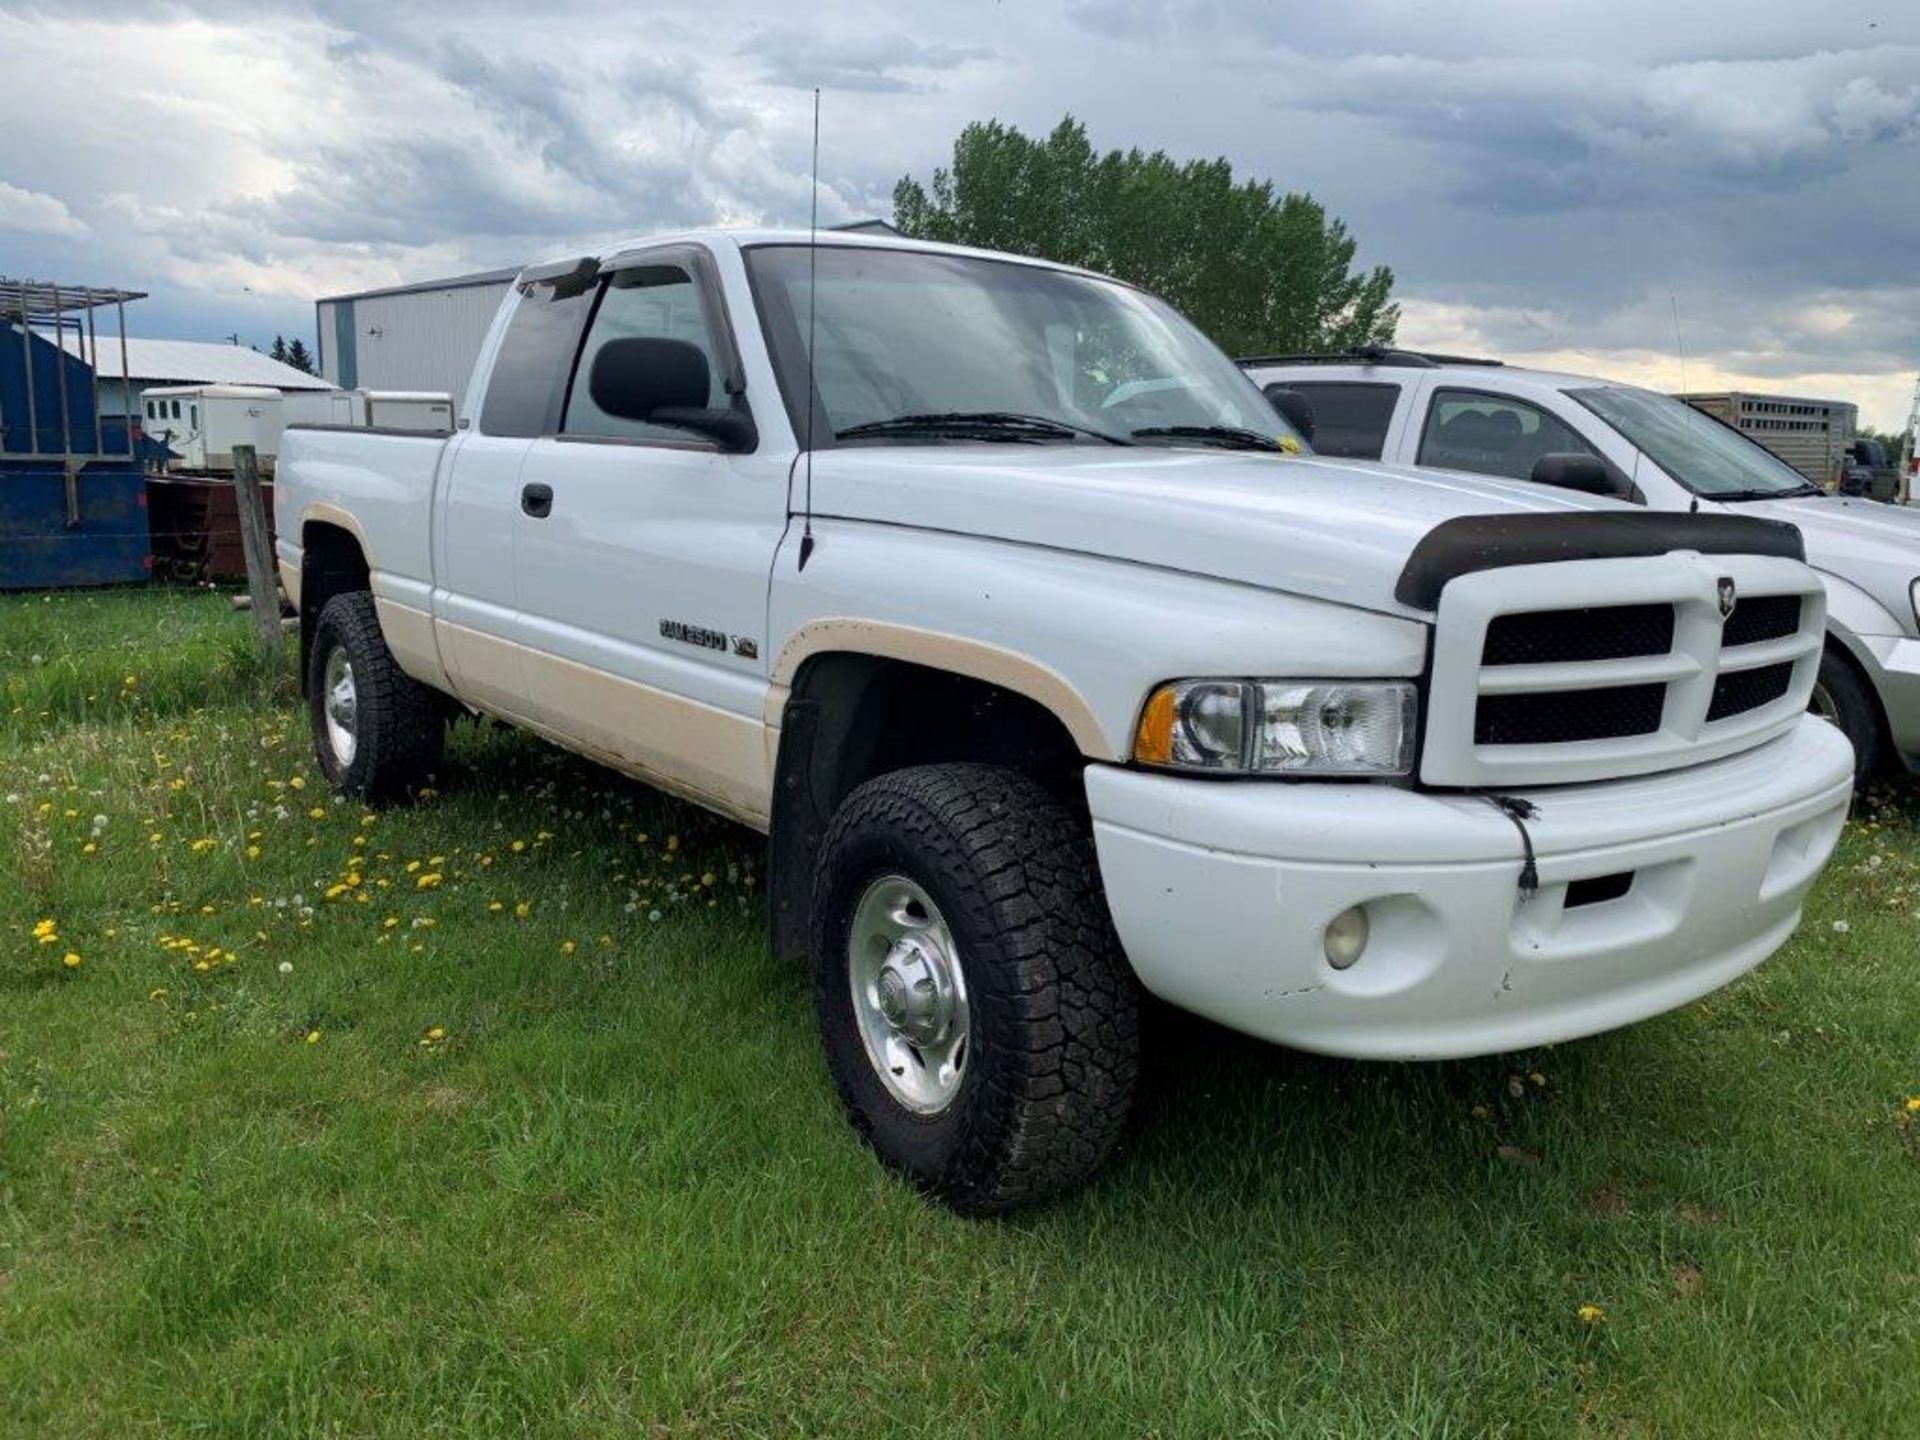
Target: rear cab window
x=1350 y=417
x=535 y=357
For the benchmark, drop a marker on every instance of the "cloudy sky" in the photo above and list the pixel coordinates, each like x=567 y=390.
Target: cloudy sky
x=1550 y=179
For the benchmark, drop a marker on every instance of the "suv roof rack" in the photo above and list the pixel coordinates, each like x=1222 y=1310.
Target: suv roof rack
x=1370 y=355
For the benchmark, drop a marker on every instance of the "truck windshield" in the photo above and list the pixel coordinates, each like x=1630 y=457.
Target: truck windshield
x=1711 y=459
x=923 y=347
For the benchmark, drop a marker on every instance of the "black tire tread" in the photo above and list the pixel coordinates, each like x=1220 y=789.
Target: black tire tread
x=1860 y=716
x=401 y=723
x=1052 y=985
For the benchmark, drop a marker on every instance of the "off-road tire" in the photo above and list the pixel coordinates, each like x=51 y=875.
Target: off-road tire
x=1054 y=1029
x=1856 y=711
x=400 y=724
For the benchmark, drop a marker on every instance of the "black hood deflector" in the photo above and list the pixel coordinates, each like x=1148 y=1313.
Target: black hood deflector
x=1489 y=542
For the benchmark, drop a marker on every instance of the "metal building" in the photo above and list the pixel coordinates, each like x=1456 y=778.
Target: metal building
x=409 y=337
x=186 y=362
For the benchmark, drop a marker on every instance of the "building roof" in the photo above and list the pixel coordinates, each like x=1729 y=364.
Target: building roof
x=195 y=362
x=455 y=282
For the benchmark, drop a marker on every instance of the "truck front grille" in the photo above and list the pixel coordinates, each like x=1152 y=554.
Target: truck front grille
x=1606 y=632
x=1766 y=617
x=1745 y=690
x=1569 y=715
x=1594 y=669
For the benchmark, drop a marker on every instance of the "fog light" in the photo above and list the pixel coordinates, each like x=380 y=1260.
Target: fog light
x=1346 y=937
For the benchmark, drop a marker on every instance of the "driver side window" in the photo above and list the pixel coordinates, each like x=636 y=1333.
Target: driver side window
x=659 y=302
x=1493 y=435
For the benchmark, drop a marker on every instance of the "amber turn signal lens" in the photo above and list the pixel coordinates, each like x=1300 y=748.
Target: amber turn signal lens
x=1153 y=744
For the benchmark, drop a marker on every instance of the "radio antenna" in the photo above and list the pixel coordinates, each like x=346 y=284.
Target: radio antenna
x=813 y=402
x=1680 y=345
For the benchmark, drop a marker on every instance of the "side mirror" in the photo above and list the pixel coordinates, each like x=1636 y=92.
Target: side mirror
x=1292 y=407
x=1573 y=471
x=665 y=382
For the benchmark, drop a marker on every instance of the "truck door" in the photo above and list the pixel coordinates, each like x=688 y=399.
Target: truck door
x=478 y=619
x=644 y=555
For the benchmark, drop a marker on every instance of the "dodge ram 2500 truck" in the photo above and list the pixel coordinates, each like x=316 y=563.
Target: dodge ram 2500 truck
x=840 y=540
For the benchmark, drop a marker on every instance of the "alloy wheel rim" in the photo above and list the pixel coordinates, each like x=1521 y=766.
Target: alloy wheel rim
x=340 y=704
x=909 y=994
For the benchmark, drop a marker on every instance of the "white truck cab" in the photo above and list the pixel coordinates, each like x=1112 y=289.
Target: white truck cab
x=1455 y=413
x=1054 y=669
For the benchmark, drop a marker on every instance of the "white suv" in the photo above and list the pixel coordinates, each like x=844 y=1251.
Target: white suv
x=1578 y=432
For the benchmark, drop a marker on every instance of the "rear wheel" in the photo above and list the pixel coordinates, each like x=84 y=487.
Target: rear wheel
x=1842 y=697
x=979 y=1020
x=377 y=732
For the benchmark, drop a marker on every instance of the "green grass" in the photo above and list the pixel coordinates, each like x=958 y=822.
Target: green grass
x=617 y=1197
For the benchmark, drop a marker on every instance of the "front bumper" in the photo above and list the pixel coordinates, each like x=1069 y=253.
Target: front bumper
x=1221 y=893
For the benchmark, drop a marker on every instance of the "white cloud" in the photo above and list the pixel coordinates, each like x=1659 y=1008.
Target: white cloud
x=28 y=212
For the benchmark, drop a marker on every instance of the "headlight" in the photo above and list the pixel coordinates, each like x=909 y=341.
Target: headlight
x=1280 y=727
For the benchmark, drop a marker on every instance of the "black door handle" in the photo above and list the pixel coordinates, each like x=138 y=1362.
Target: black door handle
x=537 y=500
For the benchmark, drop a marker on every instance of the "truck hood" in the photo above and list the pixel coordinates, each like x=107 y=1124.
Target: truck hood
x=1338 y=530
x=1867 y=543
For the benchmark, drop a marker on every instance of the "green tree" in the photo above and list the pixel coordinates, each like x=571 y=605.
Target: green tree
x=279 y=351
x=299 y=357
x=1260 y=272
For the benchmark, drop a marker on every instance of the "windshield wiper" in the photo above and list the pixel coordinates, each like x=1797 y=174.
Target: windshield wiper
x=1230 y=436
x=978 y=424
x=1734 y=496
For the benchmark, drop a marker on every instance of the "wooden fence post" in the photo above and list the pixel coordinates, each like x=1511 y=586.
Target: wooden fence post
x=257 y=548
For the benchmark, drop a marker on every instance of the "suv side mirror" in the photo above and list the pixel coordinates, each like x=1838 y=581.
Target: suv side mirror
x=1575 y=471
x=1293 y=407
x=666 y=382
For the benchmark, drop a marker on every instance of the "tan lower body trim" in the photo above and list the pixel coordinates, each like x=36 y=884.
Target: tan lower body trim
x=712 y=757
x=409 y=635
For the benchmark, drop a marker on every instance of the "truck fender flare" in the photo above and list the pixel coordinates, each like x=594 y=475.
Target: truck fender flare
x=937 y=650
x=1852 y=612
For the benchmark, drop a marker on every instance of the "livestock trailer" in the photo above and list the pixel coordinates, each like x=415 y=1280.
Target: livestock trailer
x=201 y=424
x=1810 y=435
x=72 y=504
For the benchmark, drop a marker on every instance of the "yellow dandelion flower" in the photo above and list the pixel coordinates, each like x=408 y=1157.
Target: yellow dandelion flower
x=522 y=909
x=89 y=848
x=1913 y=1104
x=202 y=845
x=156 y=994
x=1590 y=1314
x=298 y=782
x=566 y=947
x=253 y=852
x=313 y=1037
x=44 y=927
x=70 y=960
x=517 y=846
x=494 y=907
x=428 y=881
x=708 y=878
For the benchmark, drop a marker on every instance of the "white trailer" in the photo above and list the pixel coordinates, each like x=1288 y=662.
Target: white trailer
x=202 y=423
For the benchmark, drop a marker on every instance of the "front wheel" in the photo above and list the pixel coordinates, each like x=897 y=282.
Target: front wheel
x=1842 y=697
x=377 y=732
x=979 y=1020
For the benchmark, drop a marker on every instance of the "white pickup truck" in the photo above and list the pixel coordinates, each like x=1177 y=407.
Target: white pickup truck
x=839 y=540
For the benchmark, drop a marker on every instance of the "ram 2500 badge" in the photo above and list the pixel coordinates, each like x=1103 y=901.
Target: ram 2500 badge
x=1053 y=677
